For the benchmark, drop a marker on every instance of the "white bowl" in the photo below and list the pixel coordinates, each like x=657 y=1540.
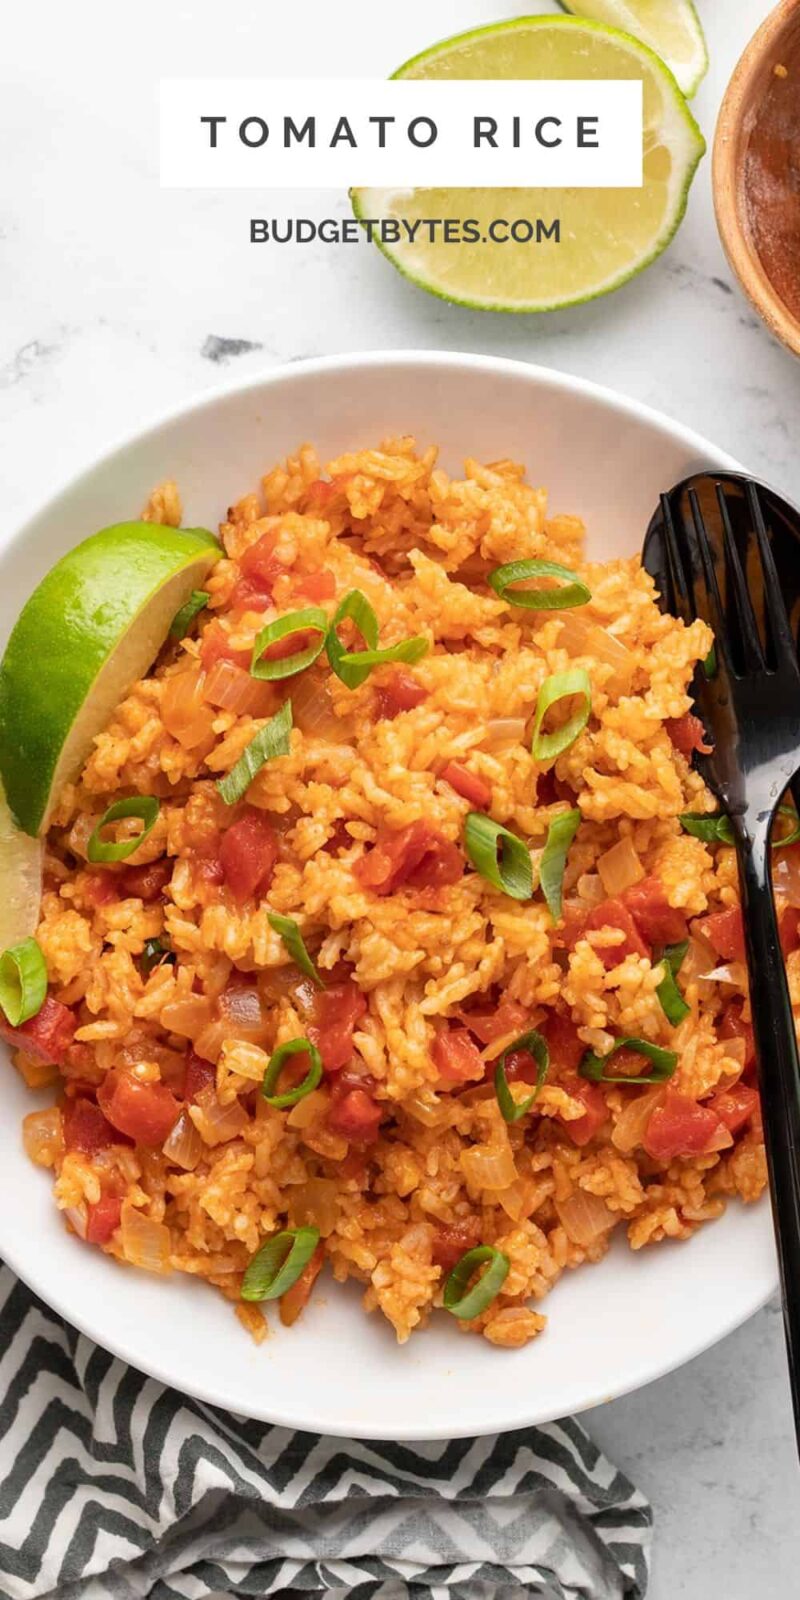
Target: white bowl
x=611 y=1327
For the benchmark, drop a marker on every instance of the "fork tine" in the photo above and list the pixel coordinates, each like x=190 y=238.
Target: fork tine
x=716 y=618
x=737 y=582
x=774 y=604
x=680 y=599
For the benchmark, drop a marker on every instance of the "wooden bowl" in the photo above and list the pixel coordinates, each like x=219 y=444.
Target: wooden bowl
x=736 y=200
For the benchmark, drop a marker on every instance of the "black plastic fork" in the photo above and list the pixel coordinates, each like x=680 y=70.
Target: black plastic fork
x=708 y=548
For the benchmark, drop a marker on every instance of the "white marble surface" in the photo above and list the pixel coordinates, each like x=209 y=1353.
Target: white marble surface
x=117 y=301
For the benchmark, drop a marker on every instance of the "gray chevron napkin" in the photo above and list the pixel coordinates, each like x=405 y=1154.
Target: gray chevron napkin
x=113 y=1487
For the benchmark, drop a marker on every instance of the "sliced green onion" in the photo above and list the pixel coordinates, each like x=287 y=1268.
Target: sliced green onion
x=272 y=740
x=571 y=593
x=537 y=1046
x=560 y=835
x=293 y=940
x=408 y=650
x=183 y=619
x=279 y=1263
x=794 y=832
x=144 y=806
x=664 y=1063
x=511 y=870
x=356 y=606
x=669 y=995
x=313 y=619
x=714 y=829
x=465 y=1303
x=23 y=982
x=710 y=663
x=156 y=952
x=561 y=686
x=276 y=1064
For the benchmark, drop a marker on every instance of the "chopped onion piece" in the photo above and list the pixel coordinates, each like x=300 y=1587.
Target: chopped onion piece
x=581 y=637
x=504 y=730
x=217 y=1124
x=585 y=1217
x=314 y=1205
x=145 y=1243
x=631 y=1125
x=232 y=689
x=620 y=868
x=79 y=1218
x=241 y=1008
x=186 y=1017
x=184 y=1147
x=489 y=1166
x=43 y=1136
x=312 y=709
x=184 y=711
x=733 y=972
x=786 y=875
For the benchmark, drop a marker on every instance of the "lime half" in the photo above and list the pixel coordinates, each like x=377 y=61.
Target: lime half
x=20 y=880
x=606 y=235
x=93 y=626
x=670 y=27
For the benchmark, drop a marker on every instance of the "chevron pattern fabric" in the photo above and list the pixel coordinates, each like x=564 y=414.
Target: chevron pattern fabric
x=113 y=1487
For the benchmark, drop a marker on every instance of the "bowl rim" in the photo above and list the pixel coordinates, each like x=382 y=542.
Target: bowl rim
x=542 y=378
x=733 y=129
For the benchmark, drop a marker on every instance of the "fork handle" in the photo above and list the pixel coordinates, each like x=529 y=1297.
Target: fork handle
x=779 y=1078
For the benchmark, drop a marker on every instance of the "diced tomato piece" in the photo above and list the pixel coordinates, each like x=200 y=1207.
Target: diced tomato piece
x=591 y=1096
x=452 y=1240
x=467 y=784
x=147 y=1112
x=724 y=931
x=735 y=1106
x=681 y=1127
x=294 y=1301
x=566 y=1048
x=85 y=1127
x=509 y=1017
x=336 y=1011
x=248 y=852
x=47 y=1036
x=688 y=734
x=355 y=1116
x=399 y=692
x=733 y=1026
x=248 y=594
x=520 y=1067
x=418 y=857
x=103 y=1219
x=101 y=888
x=211 y=870
x=216 y=645
x=147 y=882
x=790 y=930
x=457 y=1057
x=200 y=1074
x=315 y=586
x=657 y=921
x=319 y=494
x=260 y=564
x=613 y=914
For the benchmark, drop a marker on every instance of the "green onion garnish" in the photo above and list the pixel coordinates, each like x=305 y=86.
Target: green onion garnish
x=511 y=870
x=183 y=619
x=144 y=806
x=465 y=1303
x=561 y=686
x=313 y=619
x=560 y=835
x=23 y=981
x=356 y=606
x=279 y=1263
x=156 y=953
x=664 y=1063
x=537 y=1046
x=571 y=593
x=272 y=740
x=710 y=663
x=669 y=995
x=277 y=1062
x=714 y=829
x=408 y=650
x=293 y=940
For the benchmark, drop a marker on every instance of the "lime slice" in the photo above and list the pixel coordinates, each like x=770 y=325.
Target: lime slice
x=606 y=235
x=670 y=27
x=20 y=880
x=93 y=626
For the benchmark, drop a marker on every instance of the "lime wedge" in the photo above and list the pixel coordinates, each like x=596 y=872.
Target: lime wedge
x=606 y=235
x=93 y=626
x=20 y=880
x=670 y=27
